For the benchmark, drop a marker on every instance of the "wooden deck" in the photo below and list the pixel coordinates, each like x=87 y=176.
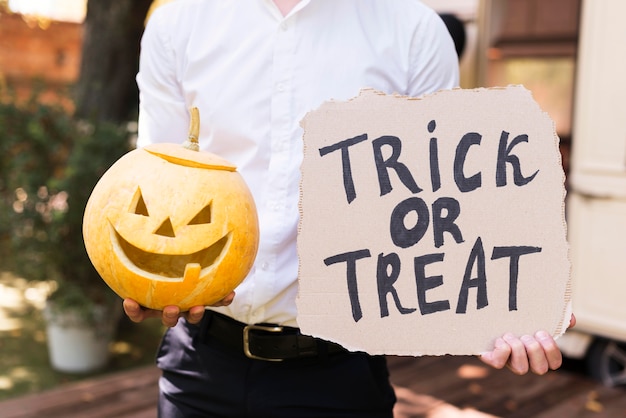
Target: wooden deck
x=428 y=387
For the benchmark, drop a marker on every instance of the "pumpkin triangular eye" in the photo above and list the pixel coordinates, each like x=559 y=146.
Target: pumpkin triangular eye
x=202 y=217
x=166 y=229
x=139 y=206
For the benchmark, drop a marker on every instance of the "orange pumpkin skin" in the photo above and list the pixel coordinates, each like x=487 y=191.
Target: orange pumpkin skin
x=167 y=225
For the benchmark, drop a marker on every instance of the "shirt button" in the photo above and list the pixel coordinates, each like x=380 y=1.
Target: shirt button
x=280 y=87
x=284 y=26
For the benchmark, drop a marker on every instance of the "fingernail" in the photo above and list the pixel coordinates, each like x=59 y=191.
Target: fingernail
x=500 y=343
x=526 y=338
x=543 y=335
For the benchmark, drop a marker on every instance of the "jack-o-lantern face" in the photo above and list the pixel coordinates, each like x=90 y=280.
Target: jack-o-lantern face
x=169 y=226
x=171 y=264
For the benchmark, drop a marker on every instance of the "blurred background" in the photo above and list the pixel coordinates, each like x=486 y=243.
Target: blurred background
x=68 y=106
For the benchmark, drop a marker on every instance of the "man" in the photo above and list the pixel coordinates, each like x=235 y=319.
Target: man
x=254 y=68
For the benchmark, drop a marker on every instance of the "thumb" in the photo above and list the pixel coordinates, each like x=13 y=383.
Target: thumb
x=499 y=356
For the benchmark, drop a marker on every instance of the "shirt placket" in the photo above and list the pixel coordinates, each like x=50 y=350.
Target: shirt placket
x=281 y=150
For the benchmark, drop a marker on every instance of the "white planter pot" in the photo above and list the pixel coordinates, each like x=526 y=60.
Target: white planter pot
x=76 y=346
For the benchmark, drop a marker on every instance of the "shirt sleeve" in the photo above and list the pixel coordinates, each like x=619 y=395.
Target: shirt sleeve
x=163 y=113
x=435 y=64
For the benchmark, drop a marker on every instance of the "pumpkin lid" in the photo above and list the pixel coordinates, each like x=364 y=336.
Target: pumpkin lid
x=177 y=154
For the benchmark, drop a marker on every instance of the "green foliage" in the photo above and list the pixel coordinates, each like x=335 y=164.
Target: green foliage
x=49 y=163
x=34 y=144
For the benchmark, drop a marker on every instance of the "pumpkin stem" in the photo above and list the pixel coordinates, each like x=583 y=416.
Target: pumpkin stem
x=194 y=130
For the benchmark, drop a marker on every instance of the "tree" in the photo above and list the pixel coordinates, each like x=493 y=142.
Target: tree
x=106 y=88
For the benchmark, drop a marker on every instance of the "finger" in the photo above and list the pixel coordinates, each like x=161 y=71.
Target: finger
x=195 y=314
x=572 y=321
x=551 y=350
x=133 y=310
x=226 y=301
x=537 y=360
x=518 y=361
x=499 y=356
x=170 y=316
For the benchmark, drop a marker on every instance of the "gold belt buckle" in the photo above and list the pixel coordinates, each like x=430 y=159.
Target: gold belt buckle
x=246 y=340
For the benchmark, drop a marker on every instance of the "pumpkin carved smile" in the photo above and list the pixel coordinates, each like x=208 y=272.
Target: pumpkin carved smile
x=167 y=267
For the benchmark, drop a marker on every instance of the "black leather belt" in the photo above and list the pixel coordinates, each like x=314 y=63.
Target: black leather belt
x=264 y=341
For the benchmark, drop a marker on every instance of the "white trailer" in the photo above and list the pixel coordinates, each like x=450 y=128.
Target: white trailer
x=596 y=202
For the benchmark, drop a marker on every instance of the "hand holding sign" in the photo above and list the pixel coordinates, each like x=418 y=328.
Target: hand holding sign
x=432 y=225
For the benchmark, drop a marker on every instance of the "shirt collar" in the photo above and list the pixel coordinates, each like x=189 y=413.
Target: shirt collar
x=276 y=13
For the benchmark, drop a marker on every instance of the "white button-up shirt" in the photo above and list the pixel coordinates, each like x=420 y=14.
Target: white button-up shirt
x=254 y=74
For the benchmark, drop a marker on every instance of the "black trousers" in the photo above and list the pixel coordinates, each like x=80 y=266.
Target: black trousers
x=203 y=378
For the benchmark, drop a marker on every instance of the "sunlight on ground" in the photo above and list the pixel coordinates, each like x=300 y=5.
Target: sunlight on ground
x=411 y=404
x=17 y=296
x=469 y=371
x=20 y=299
x=16 y=374
x=5 y=383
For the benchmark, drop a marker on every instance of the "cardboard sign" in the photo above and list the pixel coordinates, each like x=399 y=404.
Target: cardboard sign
x=432 y=225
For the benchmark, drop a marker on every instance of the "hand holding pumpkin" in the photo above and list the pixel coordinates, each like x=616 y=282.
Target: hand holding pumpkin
x=170 y=314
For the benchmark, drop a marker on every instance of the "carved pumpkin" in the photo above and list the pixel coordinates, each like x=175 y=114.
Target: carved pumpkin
x=170 y=225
